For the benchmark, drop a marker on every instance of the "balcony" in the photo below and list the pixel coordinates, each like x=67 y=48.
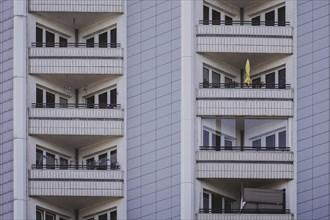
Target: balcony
x=243 y=216
x=72 y=58
x=76 y=180
x=239 y=100
x=244 y=37
x=105 y=6
x=244 y=163
x=76 y=119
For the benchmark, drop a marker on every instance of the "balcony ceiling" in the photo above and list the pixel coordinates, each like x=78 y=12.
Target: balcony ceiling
x=235 y=184
x=78 y=20
x=75 y=142
x=245 y=3
x=71 y=202
x=238 y=60
x=77 y=81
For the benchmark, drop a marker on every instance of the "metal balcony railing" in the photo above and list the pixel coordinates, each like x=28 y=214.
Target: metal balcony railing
x=246 y=211
x=113 y=166
x=236 y=85
x=76 y=105
x=80 y=45
x=242 y=148
x=252 y=23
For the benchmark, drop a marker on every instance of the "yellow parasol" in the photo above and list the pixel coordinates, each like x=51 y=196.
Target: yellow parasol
x=247 y=73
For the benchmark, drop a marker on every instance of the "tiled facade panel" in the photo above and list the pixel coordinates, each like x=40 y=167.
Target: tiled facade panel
x=153 y=114
x=6 y=109
x=313 y=109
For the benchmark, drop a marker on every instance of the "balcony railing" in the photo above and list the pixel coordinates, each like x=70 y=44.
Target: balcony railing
x=113 y=166
x=80 y=45
x=76 y=105
x=253 y=23
x=243 y=86
x=242 y=148
x=250 y=211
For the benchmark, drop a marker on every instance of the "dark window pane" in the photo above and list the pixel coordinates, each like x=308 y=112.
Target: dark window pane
x=206 y=78
x=103 y=217
x=50 y=161
x=103 y=161
x=228 y=144
x=206 y=202
x=50 y=39
x=113 y=38
x=103 y=39
x=256 y=21
x=64 y=163
x=206 y=11
x=50 y=216
x=270 y=141
x=90 y=163
x=216 y=203
x=113 y=97
x=281 y=79
x=256 y=83
x=270 y=81
x=50 y=100
x=215 y=80
x=39 y=98
x=228 y=20
x=63 y=42
x=206 y=138
x=39 y=159
x=216 y=17
x=282 y=139
x=63 y=102
x=227 y=206
x=281 y=16
x=90 y=42
x=38 y=37
x=113 y=215
x=228 y=82
x=90 y=102
x=270 y=18
x=103 y=99
x=113 y=156
x=256 y=143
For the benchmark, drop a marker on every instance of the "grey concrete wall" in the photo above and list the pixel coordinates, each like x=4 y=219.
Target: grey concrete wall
x=153 y=112
x=6 y=109
x=313 y=85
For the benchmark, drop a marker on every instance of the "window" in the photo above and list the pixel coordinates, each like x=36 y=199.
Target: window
x=52 y=160
x=212 y=78
x=270 y=18
x=216 y=140
x=281 y=79
x=39 y=98
x=281 y=16
x=105 y=99
x=63 y=102
x=50 y=98
x=50 y=38
x=282 y=139
x=47 y=215
x=104 y=216
x=270 y=141
x=216 y=203
x=270 y=81
x=103 y=39
x=228 y=20
x=206 y=11
x=103 y=160
x=215 y=15
x=256 y=21
x=206 y=137
x=228 y=82
x=228 y=144
x=256 y=143
x=256 y=83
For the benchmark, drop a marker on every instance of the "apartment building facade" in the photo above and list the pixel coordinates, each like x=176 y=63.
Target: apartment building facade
x=140 y=110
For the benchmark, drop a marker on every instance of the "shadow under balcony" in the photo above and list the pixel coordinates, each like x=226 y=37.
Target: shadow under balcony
x=76 y=119
x=240 y=100
x=215 y=162
x=244 y=37
x=77 y=186
x=76 y=58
